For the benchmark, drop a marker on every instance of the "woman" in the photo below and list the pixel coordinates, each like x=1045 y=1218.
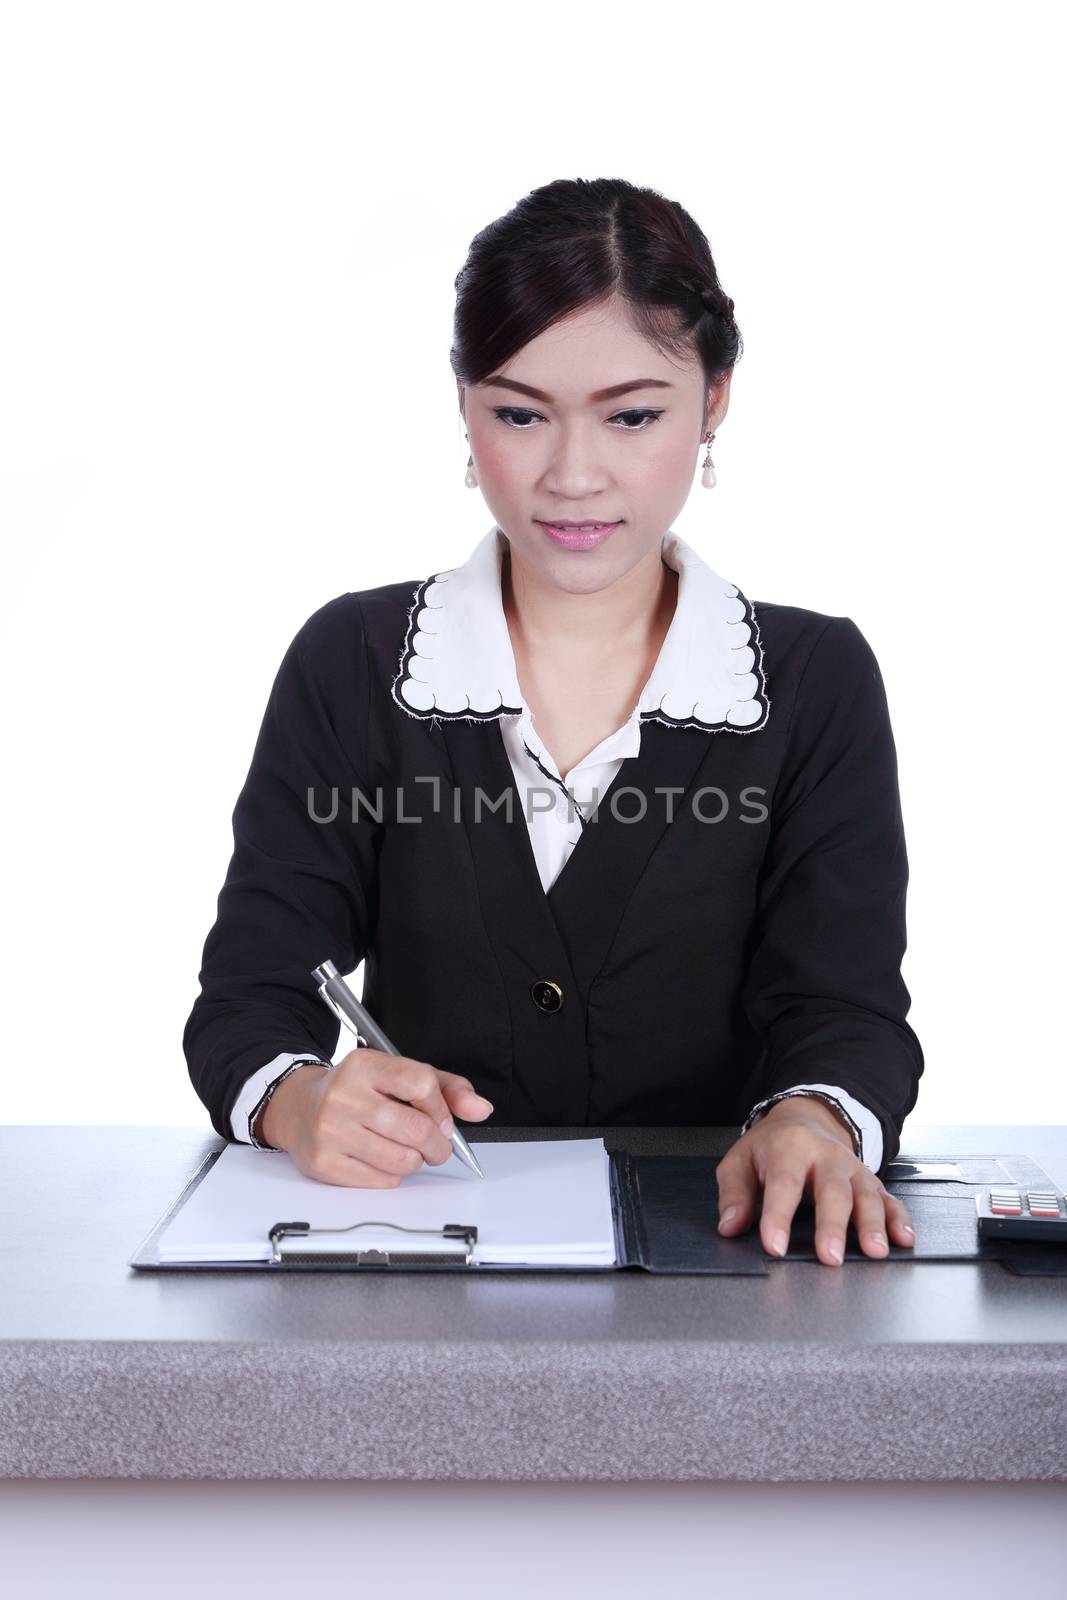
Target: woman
x=618 y=845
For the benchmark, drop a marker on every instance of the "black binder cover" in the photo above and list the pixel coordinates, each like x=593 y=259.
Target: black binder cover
x=666 y=1221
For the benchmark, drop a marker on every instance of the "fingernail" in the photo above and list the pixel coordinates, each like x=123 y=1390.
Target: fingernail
x=446 y=1127
x=834 y=1250
x=779 y=1242
x=906 y=1227
x=879 y=1239
x=729 y=1214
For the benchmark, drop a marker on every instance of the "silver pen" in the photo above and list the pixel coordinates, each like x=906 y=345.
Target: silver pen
x=344 y=1005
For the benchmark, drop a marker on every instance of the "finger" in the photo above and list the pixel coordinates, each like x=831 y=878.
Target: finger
x=348 y=1172
x=738 y=1189
x=388 y=1156
x=415 y=1083
x=869 y=1218
x=834 y=1201
x=783 y=1190
x=461 y=1094
x=877 y=1214
x=900 y=1223
x=404 y=1124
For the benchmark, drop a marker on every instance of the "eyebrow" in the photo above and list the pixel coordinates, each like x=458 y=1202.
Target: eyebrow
x=600 y=394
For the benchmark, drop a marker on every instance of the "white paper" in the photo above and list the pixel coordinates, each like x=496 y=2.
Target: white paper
x=541 y=1202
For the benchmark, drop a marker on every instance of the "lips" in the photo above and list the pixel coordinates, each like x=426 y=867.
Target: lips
x=579 y=535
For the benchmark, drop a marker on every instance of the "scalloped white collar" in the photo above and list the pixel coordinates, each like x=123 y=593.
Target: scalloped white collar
x=457 y=661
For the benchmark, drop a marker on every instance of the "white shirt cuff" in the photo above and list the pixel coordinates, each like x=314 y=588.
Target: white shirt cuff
x=255 y=1088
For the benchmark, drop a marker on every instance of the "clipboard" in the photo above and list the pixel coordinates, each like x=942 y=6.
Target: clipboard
x=665 y=1220
x=450 y=1247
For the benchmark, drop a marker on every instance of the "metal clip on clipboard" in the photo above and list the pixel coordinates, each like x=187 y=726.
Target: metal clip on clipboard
x=373 y=1257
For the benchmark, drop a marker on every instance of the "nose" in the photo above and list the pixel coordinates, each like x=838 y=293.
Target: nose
x=576 y=470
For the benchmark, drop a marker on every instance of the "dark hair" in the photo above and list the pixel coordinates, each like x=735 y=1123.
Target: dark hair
x=575 y=242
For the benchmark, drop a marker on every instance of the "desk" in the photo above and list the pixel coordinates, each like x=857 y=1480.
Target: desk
x=867 y=1379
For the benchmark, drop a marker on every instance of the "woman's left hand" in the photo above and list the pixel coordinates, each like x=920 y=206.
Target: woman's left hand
x=800 y=1147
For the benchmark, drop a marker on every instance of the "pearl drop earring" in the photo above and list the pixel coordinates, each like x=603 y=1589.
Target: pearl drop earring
x=709 y=480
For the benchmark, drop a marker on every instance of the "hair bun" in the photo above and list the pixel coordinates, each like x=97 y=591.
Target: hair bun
x=711 y=301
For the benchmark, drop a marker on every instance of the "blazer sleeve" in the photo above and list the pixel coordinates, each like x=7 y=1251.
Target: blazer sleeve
x=300 y=886
x=823 y=986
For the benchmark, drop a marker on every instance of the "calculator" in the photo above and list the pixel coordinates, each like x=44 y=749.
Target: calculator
x=1010 y=1213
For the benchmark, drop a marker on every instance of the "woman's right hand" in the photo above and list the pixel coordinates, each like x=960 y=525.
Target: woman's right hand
x=370 y=1120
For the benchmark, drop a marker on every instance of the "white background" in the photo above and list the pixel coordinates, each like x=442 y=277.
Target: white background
x=230 y=234
x=568 y=1541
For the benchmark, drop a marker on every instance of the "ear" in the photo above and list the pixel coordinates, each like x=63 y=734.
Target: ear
x=718 y=403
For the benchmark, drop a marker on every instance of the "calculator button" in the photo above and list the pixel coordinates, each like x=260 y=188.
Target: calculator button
x=1005 y=1202
x=1043 y=1205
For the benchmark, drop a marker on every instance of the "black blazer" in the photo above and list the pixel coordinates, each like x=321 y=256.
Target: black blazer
x=700 y=964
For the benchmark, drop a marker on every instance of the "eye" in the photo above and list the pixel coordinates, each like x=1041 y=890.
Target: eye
x=505 y=414
x=644 y=419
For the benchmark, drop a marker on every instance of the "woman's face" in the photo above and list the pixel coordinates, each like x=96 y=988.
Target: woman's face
x=563 y=455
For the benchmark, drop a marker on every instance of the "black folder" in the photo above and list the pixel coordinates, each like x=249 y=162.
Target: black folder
x=665 y=1212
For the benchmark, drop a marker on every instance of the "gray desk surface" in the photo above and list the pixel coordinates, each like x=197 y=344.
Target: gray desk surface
x=874 y=1370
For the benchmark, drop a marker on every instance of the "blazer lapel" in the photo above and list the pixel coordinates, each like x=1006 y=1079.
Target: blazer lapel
x=598 y=879
x=569 y=930
x=516 y=909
